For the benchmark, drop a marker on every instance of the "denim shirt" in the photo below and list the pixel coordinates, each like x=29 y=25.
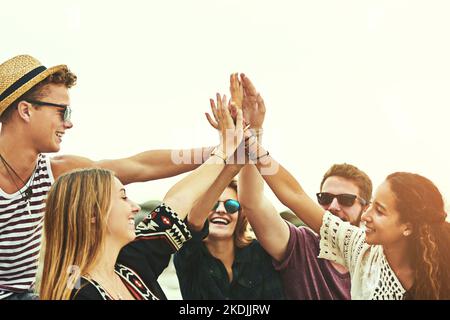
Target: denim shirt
x=204 y=277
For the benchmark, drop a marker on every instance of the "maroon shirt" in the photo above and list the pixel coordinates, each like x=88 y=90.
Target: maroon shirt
x=306 y=277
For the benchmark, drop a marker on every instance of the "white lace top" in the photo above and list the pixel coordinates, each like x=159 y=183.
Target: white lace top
x=372 y=277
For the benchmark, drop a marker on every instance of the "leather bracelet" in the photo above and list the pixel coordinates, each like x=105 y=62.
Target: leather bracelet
x=224 y=161
x=221 y=156
x=260 y=157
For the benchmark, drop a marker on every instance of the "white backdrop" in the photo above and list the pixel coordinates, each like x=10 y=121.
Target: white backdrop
x=364 y=82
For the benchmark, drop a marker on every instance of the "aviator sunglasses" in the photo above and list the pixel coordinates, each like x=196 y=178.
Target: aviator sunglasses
x=231 y=205
x=67 y=110
x=345 y=199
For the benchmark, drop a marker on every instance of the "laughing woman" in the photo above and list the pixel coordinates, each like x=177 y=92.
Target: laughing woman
x=89 y=229
x=223 y=261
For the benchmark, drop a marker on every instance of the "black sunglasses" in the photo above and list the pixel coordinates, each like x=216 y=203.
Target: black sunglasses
x=231 y=205
x=67 y=110
x=345 y=199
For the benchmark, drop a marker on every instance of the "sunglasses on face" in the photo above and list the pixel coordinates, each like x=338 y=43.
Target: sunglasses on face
x=231 y=205
x=67 y=110
x=345 y=199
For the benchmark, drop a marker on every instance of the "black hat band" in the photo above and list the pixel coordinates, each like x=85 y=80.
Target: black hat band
x=24 y=79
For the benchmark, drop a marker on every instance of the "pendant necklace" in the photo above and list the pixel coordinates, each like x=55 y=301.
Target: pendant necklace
x=112 y=283
x=28 y=193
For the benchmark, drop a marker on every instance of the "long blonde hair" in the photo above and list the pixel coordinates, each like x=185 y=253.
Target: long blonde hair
x=74 y=229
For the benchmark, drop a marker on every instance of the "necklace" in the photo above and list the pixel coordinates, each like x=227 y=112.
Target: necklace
x=119 y=296
x=112 y=284
x=28 y=193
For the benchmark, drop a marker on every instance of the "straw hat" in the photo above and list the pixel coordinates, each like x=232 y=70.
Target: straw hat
x=20 y=74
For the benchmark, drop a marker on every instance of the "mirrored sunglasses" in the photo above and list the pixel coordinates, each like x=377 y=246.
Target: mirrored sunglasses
x=67 y=110
x=231 y=205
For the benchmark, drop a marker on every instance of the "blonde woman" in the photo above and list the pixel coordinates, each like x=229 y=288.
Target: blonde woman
x=35 y=116
x=89 y=229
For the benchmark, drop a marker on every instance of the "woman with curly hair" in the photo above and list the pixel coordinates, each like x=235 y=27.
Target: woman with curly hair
x=402 y=250
x=427 y=234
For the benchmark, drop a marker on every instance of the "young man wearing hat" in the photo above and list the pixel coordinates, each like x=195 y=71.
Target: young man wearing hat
x=35 y=115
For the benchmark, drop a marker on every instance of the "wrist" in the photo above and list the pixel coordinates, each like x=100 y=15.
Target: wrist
x=252 y=144
x=206 y=152
x=258 y=154
x=226 y=150
x=257 y=132
x=218 y=152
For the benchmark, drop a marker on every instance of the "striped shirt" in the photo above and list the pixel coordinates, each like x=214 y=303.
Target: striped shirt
x=21 y=231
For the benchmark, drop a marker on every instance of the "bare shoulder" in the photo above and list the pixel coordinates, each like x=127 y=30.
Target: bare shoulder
x=65 y=163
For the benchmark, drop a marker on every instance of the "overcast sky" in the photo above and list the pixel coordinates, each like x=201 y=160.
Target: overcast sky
x=363 y=82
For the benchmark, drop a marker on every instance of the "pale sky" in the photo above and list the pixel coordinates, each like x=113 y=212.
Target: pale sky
x=363 y=82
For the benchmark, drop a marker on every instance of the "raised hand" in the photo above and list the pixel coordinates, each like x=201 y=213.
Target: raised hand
x=214 y=123
x=236 y=90
x=214 y=111
x=253 y=106
x=231 y=130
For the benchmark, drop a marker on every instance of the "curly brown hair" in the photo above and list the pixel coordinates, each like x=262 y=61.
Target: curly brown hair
x=420 y=203
x=62 y=77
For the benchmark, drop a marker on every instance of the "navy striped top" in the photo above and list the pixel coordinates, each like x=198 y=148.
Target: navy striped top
x=21 y=226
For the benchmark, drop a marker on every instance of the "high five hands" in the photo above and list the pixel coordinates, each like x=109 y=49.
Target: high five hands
x=228 y=120
x=244 y=94
x=245 y=108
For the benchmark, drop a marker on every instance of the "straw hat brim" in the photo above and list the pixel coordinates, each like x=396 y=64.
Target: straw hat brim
x=5 y=103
